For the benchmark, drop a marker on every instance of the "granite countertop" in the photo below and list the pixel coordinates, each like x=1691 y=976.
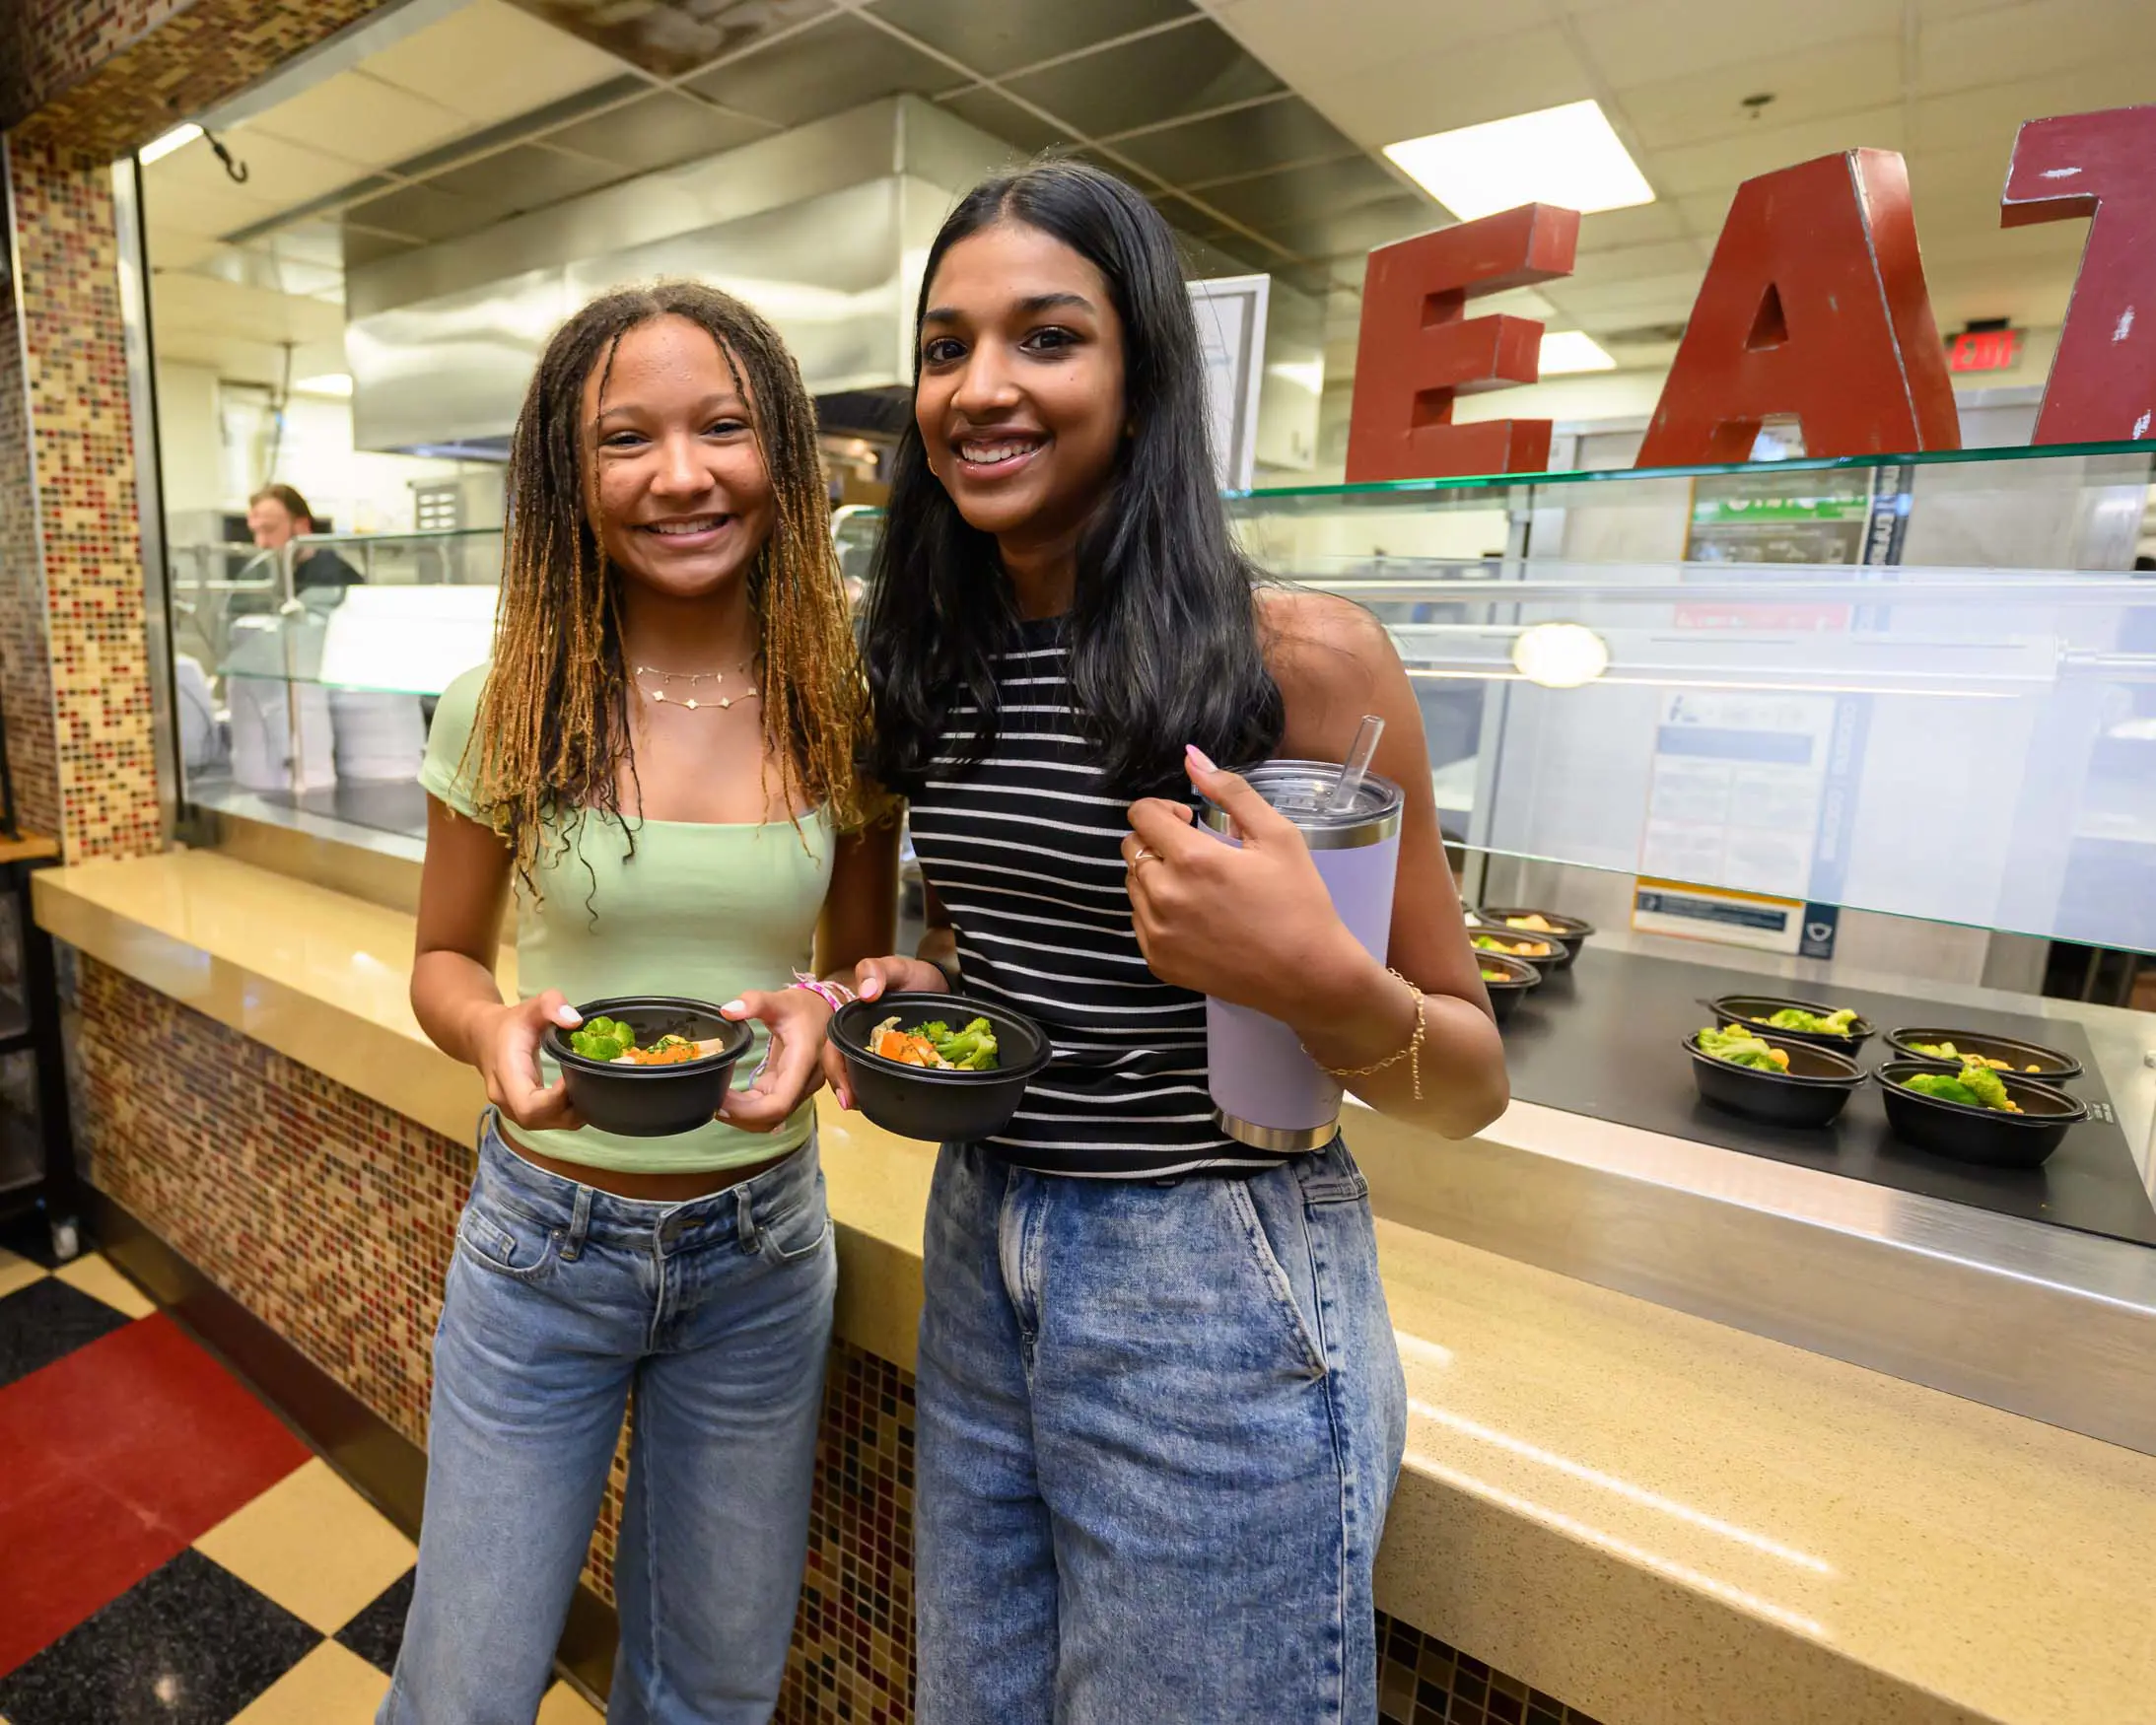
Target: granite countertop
x=1655 y=1516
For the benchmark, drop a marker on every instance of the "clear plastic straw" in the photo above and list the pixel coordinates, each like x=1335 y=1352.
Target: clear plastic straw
x=1358 y=764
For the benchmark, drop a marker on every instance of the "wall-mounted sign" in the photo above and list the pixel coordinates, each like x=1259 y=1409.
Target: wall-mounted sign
x=1231 y=313
x=1983 y=350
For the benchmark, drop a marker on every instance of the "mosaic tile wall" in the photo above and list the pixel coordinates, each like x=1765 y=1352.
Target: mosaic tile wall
x=111 y=73
x=82 y=465
x=332 y=1219
x=25 y=680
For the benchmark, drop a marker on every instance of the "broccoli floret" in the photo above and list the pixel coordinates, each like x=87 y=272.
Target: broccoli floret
x=602 y=1039
x=1946 y=1088
x=1740 y=1048
x=1988 y=1087
x=973 y=1047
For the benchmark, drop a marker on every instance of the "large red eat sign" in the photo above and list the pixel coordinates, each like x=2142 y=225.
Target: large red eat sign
x=1814 y=306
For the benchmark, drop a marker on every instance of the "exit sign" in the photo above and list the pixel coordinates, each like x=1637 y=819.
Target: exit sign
x=1983 y=350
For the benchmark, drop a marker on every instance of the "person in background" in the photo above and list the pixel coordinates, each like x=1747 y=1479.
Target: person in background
x=1160 y=1410
x=658 y=764
x=277 y=514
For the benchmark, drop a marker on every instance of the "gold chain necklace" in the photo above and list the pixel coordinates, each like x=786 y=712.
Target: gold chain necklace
x=692 y=678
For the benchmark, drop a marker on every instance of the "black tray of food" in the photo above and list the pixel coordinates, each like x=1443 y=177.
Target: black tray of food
x=2002 y=1054
x=1506 y=982
x=1570 y=932
x=1801 y=1086
x=2030 y=1123
x=1603 y=1039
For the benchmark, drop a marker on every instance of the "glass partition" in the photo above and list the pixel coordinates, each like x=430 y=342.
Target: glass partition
x=1925 y=686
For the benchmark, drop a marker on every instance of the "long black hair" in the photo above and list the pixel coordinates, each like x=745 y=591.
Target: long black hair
x=1163 y=626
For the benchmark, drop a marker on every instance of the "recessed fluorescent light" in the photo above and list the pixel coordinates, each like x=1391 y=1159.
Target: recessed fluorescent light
x=177 y=138
x=328 y=384
x=1573 y=350
x=1564 y=156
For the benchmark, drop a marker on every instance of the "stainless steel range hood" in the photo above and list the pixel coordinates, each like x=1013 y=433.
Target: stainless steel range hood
x=822 y=229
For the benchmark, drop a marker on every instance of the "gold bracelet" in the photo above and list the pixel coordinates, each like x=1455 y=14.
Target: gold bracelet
x=1412 y=1054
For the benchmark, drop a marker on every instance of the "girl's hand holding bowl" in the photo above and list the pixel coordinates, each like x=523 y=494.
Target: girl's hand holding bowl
x=797 y=1020
x=507 y=1054
x=875 y=978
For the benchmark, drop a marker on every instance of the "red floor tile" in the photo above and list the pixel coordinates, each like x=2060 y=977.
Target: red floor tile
x=113 y=1460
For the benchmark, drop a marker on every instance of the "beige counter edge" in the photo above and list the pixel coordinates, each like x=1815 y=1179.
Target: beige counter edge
x=1540 y=1576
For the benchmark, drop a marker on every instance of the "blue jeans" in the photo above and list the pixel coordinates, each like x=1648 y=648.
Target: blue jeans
x=563 y=1302
x=1158 y=1427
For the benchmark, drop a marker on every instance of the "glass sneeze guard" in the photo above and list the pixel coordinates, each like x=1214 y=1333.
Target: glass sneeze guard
x=1921 y=685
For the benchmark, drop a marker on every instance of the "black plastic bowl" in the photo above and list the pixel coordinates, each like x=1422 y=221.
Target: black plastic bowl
x=1520 y=976
x=1749 y=1010
x=921 y=1102
x=2053 y=1066
x=1817 y=1087
x=1572 y=934
x=1990 y=1136
x=1550 y=958
x=652 y=1102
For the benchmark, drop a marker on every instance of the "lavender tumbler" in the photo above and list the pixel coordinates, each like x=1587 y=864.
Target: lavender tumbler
x=1268 y=1093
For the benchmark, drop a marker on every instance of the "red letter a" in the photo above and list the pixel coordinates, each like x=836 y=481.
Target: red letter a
x=2102 y=383
x=1417 y=350
x=1815 y=306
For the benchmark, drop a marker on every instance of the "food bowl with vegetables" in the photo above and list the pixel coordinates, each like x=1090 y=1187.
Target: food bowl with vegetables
x=944 y=1068
x=1507 y=981
x=1543 y=951
x=1770 y=1077
x=648 y=1065
x=1954 y=1049
x=1570 y=932
x=1976 y=1114
x=1840 y=1028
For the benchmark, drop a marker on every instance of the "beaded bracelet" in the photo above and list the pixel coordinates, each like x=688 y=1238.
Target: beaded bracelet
x=832 y=994
x=1412 y=1054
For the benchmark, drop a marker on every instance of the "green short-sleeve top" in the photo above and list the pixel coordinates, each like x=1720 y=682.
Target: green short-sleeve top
x=701 y=910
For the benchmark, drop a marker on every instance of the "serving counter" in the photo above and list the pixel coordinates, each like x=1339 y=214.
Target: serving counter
x=1611 y=1501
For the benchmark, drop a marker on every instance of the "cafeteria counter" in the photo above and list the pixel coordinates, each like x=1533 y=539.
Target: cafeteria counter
x=1648 y=1506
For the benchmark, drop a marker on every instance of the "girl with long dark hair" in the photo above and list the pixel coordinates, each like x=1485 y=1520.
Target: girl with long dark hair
x=660 y=764
x=1160 y=1406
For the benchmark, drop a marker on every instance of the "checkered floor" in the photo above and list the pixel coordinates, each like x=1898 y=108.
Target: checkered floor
x=169 y=1551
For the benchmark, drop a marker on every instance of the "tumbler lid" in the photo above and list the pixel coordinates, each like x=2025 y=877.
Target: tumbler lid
x=1299 y=790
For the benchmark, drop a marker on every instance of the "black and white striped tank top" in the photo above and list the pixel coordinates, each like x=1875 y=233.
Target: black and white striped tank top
x=1024 y=852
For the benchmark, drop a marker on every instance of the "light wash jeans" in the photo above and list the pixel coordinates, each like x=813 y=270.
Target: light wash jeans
x=563 y=1302
x=1158 y=1428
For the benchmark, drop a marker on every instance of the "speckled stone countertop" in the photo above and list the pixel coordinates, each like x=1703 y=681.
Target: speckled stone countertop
x=1656 y=1517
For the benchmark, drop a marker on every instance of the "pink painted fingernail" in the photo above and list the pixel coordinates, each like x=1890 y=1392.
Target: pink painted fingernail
x=1198 y=758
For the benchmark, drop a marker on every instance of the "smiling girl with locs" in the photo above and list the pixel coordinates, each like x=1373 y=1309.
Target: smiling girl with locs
x=1160 y=1406
x=659 y=763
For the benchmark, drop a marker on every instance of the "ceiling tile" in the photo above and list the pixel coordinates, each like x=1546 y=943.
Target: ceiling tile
x=487 y=60
x=1641 y=225
x=1651 y=40
x=1147 y=82
x=191 y=190
x=1306 y=41
x=1433 y=87
x=656 y=132
x=672 y=37
x=359 y=119
x=1248 y=140
x=418 y=212
x=529 y=177
x=1762 y=149
x=1001 y=117
x=1351 y=233
x=826 y=69
x=1306 y=195
x=1842 y=79
x=1632 y=262
x=1015 y=34
x=518 y=127
x=176 y=248
x=2027 y=40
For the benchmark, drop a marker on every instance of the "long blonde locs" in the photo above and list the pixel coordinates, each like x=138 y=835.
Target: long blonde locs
x=553 y=738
